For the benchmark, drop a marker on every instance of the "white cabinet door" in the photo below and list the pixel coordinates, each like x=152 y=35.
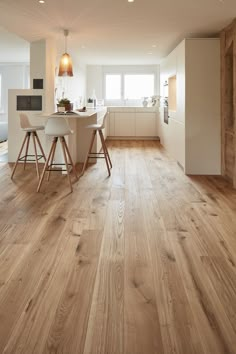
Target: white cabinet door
x=146 y=124
x=111 y=124
x=124 y=124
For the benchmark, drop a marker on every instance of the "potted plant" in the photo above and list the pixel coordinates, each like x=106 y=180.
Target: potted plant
x=64 y=105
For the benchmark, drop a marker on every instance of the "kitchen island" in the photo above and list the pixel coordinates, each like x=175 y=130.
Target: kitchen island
x=78 y=142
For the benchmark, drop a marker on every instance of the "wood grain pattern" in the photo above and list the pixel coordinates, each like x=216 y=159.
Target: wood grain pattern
x=228 y=102
x=143 y=262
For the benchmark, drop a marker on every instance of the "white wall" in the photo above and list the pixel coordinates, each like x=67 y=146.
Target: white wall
x=42 y=66
x=15 y=134
x=73 y=87
x=13 y=49
x=95 y=79
x=37 y=61
x=14 y=76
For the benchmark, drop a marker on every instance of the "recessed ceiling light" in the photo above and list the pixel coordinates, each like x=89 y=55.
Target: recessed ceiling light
x=130 y=0
x=41 y=1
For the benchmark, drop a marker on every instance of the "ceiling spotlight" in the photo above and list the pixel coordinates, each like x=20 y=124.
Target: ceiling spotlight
x=41 y=1
x=130 y=0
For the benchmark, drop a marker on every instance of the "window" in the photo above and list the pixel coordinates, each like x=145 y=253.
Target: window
x=113 y=87
x=138 y=86
x=132 y=87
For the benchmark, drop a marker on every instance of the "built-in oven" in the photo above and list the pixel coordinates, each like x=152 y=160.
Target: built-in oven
x=166 y=110
x=165 y=102
x=166 y=115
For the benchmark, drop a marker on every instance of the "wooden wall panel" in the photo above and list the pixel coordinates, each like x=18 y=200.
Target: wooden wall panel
x=228 y=101
x=229 y=155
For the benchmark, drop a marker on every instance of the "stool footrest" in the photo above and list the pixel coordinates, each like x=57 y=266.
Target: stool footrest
x=96 y=153
x=25 y=158
x=57 y=169
x=96 y=157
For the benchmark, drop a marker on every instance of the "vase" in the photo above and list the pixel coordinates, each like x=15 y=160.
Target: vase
x=145 y=102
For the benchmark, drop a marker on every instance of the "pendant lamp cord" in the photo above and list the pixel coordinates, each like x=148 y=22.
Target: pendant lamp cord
x=66 y=32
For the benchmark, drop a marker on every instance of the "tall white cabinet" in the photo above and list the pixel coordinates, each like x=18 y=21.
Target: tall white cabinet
x=190 y=78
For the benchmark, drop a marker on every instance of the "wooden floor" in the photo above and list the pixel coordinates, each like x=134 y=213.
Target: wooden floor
x=3 y=151
x=3 y=147
x=142 y=262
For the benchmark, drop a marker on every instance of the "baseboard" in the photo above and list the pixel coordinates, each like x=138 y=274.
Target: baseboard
x=133 y=138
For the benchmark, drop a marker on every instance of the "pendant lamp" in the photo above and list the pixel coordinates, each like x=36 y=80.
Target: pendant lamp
x=65 y=66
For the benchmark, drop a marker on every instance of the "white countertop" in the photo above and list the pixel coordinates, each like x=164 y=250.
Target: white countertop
x=75 y=114
x=132 y=109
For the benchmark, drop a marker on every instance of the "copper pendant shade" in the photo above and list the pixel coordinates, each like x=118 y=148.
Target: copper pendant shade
x=65 y=66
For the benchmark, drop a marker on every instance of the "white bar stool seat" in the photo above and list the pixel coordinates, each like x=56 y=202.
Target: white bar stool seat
x=58 y=128
x=104 y=154
x=30 y=130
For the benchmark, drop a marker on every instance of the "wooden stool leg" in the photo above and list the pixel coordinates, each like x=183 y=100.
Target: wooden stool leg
x=104 y=151
x=70 y=160
x=89 y=151
x=51 y=161
x=40 y=146
x=46 y=163
x=36 y=155
x=107 y=154
x=62 y=139
x=105 y=146
x=17 y=160
x=27 y=148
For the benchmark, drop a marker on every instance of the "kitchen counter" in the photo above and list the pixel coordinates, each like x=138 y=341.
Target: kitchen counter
x=132 y=109
x=78 y=142
x=76 y=114
x=133 y=122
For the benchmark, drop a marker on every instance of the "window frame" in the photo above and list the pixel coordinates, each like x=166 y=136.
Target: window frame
x=122 y=101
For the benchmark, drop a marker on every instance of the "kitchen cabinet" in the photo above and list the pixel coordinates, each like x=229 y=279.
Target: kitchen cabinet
x=133 y=122
x=192 y=135
x=146 y=124
x=124 y=124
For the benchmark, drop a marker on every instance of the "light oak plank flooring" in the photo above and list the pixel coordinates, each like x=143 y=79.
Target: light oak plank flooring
x=3 y=151
x=143 y=262
x=3 y=147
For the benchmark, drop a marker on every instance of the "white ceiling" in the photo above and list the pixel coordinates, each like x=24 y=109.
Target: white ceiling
x=116 y=32
x=13 y=48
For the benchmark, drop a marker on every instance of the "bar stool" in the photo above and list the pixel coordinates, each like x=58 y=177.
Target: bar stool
x=98 y=128
x=30 y=130
x=58 y=128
